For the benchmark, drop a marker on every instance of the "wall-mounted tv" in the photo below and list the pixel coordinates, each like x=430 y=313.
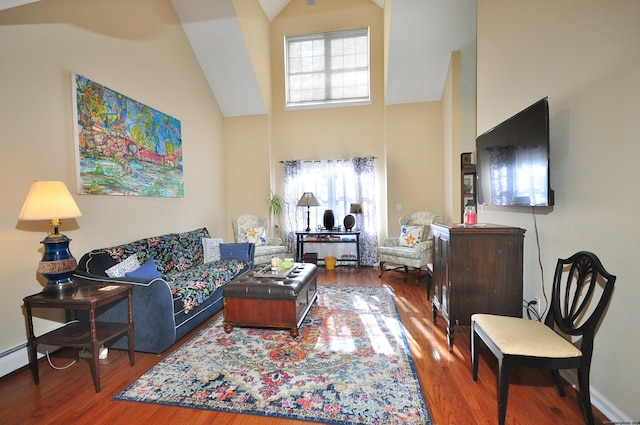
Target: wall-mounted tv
x=513 y=160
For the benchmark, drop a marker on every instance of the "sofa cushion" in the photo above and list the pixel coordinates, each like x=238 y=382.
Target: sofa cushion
x=191 y=287
x=176 y=252
x=120 y=269
x=240 y=251
x=410 y=236
x=211 y=249
x=148 y=270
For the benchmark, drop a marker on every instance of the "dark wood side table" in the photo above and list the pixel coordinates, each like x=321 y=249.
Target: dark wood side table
x=328 y=236
x=77 y=334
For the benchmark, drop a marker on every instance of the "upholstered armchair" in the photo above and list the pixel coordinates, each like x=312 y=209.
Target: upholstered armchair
x=414 y=246
x=251 y=228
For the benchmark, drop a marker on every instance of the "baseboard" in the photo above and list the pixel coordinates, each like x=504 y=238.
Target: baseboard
x=601 y=403
x=13 y=359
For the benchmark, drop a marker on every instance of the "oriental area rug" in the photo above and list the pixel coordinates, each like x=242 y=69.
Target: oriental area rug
x=350 y=365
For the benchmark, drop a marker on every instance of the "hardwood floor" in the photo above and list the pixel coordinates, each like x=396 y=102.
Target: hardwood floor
x=68 y=396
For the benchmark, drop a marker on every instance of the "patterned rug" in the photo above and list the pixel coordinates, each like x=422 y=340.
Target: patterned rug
x=350 y=365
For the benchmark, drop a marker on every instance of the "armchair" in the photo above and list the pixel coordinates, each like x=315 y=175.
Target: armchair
x=414 y=246
x=251 y=228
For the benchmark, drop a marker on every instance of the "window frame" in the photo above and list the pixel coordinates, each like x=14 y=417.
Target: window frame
x=327 y=37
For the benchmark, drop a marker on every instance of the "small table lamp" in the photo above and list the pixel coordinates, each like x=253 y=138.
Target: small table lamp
x=355 y=209
x=308 y=199
x=49 y=200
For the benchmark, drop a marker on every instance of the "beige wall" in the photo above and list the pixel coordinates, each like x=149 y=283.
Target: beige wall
x=414 y=160
x=451 y=115
x=586 y=57
x=330 y=133
x=247 y=152
x=386 y=133
x=137 y=48
x=255 y=30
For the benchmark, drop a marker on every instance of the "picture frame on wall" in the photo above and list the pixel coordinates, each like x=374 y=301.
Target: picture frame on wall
x=468 y=184
x=122 y=146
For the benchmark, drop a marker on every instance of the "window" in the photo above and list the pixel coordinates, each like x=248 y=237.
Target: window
x=327 y=68
x=336 y=184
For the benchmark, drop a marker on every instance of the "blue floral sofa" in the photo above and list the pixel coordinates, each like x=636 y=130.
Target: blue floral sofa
x=177 y=282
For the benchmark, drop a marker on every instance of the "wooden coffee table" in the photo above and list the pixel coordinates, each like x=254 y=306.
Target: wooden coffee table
x=271 y=302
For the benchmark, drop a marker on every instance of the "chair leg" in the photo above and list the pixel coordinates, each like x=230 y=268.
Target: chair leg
x=556 y=378
x=429 y=277
x=381 y=268
x=475 y=351
x=504 y=365
x=585 y=395
x=417 y=275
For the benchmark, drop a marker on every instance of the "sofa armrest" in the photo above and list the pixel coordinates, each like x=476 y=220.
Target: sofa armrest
x=153 y=319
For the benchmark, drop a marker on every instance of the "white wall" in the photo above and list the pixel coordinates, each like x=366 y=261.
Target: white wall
x=585 y=56
x=137 y=48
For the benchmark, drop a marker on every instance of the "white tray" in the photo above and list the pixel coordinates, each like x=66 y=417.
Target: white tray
x=265 y=271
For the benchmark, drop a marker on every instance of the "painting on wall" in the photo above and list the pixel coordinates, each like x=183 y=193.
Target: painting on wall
x=122 y=146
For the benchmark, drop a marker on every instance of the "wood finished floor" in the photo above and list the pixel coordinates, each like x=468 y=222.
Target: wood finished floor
x=68 y=396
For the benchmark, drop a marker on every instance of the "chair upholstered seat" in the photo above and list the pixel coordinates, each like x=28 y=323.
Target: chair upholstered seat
x=506 y=333
x=391 y=253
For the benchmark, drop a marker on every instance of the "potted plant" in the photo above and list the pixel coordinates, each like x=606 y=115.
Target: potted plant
x=275 y=204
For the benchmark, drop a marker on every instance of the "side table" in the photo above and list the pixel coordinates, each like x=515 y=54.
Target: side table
x=76 y=334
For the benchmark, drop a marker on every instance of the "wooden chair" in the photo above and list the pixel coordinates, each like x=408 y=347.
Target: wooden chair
x=581 y=292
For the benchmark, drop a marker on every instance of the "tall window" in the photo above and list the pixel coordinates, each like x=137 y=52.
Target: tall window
x=330 y=67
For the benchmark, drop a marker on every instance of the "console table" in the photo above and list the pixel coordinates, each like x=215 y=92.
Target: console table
x=476 y=269
x=328 y=237
x=78 y=334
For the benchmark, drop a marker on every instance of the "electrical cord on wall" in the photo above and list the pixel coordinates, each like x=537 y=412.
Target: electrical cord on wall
x=544 y=292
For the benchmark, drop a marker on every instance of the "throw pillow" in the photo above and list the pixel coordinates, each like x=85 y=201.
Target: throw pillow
x=211 y=248
x=148 y=270
x=127 y=265
x=410 y=236
x=256 y=235
x=230 y=251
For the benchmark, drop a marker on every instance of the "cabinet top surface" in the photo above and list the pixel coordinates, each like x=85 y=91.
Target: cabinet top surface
x=477 y=228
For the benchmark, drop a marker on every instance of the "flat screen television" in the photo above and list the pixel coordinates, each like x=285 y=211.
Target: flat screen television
x=513 y=160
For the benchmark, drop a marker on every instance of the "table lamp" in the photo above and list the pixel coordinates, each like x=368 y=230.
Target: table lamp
x=308 y=199
x=355 y=209
x=51 y=200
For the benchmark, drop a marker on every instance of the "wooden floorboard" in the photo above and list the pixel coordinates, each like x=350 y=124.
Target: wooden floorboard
x=68 y=396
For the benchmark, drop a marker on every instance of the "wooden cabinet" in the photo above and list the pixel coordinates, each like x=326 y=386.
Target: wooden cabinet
x=476 y=269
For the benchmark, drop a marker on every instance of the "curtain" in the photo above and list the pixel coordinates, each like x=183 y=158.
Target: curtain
x=336 y=184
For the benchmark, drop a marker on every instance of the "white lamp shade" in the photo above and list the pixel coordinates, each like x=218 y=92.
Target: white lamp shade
x=48 y=200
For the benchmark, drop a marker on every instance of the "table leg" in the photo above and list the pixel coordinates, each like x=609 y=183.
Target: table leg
x=131 y=334
x=95 y=350
x=31 y=346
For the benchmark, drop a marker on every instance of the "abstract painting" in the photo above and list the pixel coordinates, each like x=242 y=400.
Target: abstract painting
x=124 y=147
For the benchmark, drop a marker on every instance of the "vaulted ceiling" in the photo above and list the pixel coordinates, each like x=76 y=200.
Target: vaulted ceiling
x=423 y=33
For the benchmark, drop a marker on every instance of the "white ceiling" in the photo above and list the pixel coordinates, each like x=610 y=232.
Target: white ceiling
x=422 y=36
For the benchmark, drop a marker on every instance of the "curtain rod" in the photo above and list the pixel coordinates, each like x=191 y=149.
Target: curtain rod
x=318 y=160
